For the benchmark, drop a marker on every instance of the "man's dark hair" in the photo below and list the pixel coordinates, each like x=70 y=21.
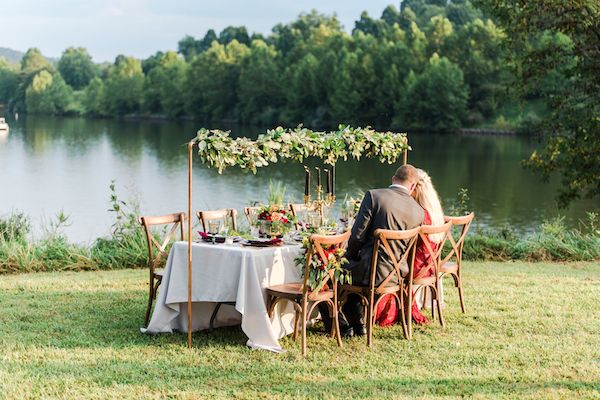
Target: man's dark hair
x=406 y=173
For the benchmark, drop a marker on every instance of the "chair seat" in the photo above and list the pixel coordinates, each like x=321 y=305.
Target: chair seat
x=365 y=289
x=449 y=267
x=294 y=291
x=286 y=288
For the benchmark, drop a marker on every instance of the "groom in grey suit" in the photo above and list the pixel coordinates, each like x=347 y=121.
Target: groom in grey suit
x=388 y=208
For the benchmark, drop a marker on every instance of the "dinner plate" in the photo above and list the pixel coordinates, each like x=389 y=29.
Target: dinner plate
x=262 y=242
x=219 y=239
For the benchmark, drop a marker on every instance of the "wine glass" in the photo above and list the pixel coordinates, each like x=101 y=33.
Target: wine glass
x=213 y=229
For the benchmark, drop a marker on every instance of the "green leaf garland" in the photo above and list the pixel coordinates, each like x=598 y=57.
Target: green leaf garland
x=219 y=150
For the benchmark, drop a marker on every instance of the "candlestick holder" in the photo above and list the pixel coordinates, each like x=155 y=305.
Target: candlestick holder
x=321 y=203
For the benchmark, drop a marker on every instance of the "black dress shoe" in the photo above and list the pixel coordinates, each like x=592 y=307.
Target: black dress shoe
x=359 y=330
x=347 y=331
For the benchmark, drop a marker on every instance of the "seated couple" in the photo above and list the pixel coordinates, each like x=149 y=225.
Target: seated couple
x=410 y=201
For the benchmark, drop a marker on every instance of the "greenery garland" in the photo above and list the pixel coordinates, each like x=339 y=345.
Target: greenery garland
x=219 y=150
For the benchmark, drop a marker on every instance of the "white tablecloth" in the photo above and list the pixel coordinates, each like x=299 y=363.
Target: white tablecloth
x=227 y=273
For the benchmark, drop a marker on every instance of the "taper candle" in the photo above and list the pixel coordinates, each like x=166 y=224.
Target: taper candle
x=306 y=181
x=318 y=176
x=328 y=178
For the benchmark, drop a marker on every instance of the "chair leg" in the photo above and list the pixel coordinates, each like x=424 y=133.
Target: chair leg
x=408 y=314
x=336 y=324
x=296 y=322
x=151 y=296
x=460 y=294
x=304 y=317
x=370 y=319
x=402 y=313
x=439 y=306
x=433 y=298
x=211 y=324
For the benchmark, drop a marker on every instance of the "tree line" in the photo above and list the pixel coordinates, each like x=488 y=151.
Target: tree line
x=430 y=64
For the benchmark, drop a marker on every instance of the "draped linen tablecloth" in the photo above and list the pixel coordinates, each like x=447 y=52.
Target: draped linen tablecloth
x=227 y=273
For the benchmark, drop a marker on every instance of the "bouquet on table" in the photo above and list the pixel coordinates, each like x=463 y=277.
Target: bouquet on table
x=274 y=220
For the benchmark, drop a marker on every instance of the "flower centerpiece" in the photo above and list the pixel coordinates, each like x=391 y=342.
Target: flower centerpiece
x=273 y=219
x=318 y=269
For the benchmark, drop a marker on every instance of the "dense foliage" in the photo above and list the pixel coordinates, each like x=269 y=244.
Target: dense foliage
x=556 y=49
x=428 y=65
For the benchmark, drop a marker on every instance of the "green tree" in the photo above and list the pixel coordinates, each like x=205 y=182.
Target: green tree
x=231 y=33
x=76 y=67
x=213 y=80
x=462 y=13
x=124 y=86
x=163 y=85
x=33 y=61
x=47 y=94
x=477 y=49
x=438 y=97
x=439 y=29
x=571 y=131
x=9 y=81
x=93 y=97
x=260 y=89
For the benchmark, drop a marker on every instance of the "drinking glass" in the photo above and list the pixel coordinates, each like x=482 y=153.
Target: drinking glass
x=214 y=227
x=314 y=219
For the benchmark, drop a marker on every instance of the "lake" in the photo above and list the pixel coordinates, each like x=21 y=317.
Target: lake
x=52 y=164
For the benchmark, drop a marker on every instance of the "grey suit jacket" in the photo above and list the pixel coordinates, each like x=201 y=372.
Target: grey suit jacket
x=389 y=208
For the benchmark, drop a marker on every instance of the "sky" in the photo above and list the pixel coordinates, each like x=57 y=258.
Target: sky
x=142 y=27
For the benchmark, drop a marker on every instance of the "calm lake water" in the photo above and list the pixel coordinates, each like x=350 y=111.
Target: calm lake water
x=53 y=164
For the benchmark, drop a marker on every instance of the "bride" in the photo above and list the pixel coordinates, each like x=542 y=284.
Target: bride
x=427 y=197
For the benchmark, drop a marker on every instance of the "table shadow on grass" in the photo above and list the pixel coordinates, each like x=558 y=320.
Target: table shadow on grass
x=109 y=318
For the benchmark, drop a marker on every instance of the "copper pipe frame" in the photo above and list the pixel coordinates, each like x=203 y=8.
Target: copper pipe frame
x=189 y=239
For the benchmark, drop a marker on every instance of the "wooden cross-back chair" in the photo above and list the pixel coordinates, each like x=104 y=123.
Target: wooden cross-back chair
x=250 y=213
x=222 y=214
x=302 y=297
x=157 y=249
x=428 y=276
x=297 y=210
x=393 y=283
x=456 y=237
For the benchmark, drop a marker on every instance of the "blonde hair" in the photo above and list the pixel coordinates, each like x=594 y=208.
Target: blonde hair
x=427 y=197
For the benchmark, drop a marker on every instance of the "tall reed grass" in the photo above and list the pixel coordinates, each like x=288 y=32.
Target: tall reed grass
x=126 y=246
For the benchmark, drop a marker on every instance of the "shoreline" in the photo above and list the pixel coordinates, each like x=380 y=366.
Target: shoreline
x=187 y=118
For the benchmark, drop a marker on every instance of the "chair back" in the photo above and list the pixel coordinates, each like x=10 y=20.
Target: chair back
x=157 y=248
x=456 y=236
x=315 y=247
x=297 y=209
x=250 y=213
x=432 y=252
x=383 y=237
x=222 y=214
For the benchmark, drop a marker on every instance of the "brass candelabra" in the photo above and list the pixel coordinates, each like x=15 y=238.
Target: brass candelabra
x=320 y=203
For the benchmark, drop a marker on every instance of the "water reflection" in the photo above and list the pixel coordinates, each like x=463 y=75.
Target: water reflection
x=51 y=164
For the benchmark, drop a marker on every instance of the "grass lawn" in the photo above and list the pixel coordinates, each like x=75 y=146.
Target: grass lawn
x=531 y=331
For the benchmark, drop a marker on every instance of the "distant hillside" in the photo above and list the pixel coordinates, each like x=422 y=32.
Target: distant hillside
x=15 y=56
x=11 y=55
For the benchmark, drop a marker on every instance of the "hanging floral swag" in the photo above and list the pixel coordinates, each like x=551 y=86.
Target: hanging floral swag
x=219 y=150
x=318 y=269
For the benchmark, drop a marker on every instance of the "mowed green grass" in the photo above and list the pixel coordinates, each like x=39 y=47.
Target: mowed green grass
x=531 y=331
